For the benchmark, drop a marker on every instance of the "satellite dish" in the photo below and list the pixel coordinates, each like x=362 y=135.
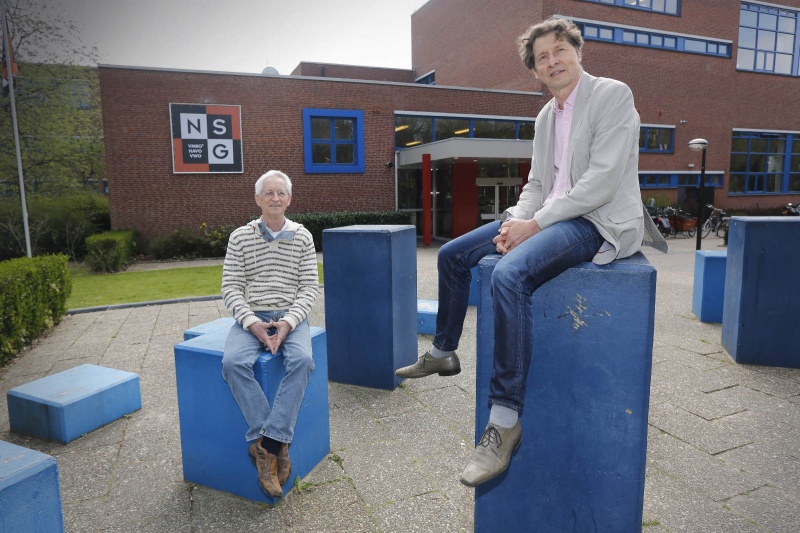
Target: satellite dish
x=270 y=71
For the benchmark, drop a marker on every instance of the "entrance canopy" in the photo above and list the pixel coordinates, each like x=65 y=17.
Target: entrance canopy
x=456 y=148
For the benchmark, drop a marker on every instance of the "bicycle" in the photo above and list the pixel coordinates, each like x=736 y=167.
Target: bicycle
x=716 y=221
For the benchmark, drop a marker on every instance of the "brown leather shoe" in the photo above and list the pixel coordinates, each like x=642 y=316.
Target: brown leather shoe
x=284 y=464
x=267 y=465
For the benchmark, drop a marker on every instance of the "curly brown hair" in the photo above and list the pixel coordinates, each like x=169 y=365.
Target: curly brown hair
x=564 y=30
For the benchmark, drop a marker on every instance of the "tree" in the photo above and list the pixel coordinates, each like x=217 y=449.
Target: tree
x=57 y=102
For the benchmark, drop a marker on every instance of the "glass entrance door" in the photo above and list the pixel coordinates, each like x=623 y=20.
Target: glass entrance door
x=495 y=195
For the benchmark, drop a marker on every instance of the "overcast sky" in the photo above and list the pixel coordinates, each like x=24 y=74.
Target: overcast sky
x=246 y=35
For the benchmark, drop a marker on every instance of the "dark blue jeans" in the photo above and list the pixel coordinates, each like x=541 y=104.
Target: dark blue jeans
x=517 y=275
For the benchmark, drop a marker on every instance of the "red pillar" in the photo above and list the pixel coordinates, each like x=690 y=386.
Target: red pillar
x=427 y=190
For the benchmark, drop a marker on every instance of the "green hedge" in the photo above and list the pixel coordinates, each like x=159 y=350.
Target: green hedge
x=110 y=251
x=316 y=222
x=33 y=297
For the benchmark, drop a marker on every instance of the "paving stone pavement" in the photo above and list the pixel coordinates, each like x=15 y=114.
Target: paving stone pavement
x=722 y=456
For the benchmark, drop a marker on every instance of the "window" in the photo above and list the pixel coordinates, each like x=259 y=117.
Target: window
x=768 y=39
x=427 y=79
x=333 y=140
x=643 y=37
x=412 y=130
x=669 y=7
x=673 y=180
x=494 y=129
x=765 y=162
x=657 y=139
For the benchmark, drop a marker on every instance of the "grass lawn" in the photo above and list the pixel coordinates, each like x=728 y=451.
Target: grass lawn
x=90 y=289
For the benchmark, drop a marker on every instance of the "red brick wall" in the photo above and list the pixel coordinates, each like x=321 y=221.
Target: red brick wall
x=472 y=42
x=354 y=72
x=144 y=193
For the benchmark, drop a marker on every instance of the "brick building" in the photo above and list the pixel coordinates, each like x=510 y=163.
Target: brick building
x=355 y=138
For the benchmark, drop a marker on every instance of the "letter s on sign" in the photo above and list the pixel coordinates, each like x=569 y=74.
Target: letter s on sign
x=219 y=126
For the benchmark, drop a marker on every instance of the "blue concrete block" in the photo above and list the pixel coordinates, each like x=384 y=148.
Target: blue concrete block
x=370 y=303
x=581 y=463
x=709 y=285
x=762 y=291
x=426 y=316
x=213 y=447
x=30 y=497
x=64 y=406
x=223 y=324
x=474 y=291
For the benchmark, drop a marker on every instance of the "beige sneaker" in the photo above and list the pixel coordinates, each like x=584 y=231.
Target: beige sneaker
x=492 y=454
x=428 y=364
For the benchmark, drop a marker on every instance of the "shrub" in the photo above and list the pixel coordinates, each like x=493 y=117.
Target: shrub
x=110 y=251
x=33 y=296
x=56 y=224
x=180 y=244
x=316 y=222
x=214 y=240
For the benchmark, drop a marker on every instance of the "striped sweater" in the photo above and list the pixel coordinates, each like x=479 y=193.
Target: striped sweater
x=268 y=276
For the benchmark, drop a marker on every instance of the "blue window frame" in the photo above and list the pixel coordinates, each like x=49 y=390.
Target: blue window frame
x=768 y=39
x=656 y=139
x=669 y=7
x=674 y=180
x=764 y=162
x=643 y=37
x=333 y=141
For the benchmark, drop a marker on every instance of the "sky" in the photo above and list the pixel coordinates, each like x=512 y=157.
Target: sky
x=245 y=35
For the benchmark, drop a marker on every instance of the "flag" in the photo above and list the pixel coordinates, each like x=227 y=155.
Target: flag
x=8 y=57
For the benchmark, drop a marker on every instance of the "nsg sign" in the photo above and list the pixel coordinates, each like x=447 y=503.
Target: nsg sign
x=206 y=138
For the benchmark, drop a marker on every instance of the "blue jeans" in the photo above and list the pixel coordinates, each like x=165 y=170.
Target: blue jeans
x=517 y=275
x=242 y=350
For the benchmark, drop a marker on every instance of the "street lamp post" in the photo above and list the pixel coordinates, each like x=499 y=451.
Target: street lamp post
x=700 y=145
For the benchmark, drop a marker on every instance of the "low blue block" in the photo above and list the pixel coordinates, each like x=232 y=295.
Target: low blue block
x=64 y=406
x=474 y=291
x=370 y=303
x=581 y=462
x=709 y=285
x=213 y=447
x=762 y=291
x=220 y=323
x=30 y=497
x=426 y=316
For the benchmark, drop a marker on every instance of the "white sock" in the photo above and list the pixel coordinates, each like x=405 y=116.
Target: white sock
x=440 y=354
x=502 y=416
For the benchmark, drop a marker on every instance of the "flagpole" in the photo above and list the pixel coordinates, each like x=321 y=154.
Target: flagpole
x=7 y=43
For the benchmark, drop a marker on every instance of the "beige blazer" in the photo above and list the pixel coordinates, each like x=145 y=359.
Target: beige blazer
x=603 y=162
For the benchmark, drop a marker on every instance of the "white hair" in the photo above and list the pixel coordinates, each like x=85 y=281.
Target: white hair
x=273 y=174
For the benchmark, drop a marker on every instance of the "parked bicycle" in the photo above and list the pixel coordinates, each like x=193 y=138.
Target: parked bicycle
x=673 y=221
x=717 y=221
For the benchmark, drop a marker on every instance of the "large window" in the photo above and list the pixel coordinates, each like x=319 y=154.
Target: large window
x=643 y=37
x=411 y=130
x=674 y=180
x=333 y=140
x=656 y=139
x=765 y=162
x=670 y=7
x=768 y=39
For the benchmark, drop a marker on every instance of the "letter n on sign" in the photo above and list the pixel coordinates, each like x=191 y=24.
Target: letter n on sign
x=206 y=138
